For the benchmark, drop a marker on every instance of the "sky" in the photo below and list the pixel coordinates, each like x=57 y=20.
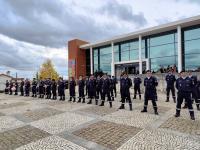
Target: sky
x=32 y=31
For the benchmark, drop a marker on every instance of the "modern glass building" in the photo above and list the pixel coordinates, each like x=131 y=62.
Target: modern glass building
x=172 y=44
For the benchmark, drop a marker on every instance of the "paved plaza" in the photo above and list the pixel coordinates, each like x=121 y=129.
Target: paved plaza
x=39 y=124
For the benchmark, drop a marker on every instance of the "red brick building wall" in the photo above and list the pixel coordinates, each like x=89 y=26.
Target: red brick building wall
x=79 y=55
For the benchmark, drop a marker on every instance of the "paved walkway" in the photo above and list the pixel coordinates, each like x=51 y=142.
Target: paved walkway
x=37 y=124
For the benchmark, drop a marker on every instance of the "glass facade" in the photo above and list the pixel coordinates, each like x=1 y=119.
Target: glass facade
x=102 y=58
x=162 y=50
x=192 y=48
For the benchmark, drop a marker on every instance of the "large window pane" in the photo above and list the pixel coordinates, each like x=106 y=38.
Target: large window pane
x=125 y=56
x=157 y=63
x=116 y=57
x=192 y=47
x=192 y=62
x=106 y=50
x=163 y=50
x=192 y=34
x=125 y=47
x=162 y=40
x=134 y=55
x=134 y=45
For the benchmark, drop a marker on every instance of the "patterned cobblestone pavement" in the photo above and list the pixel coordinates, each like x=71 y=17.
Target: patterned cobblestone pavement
x=28 y=123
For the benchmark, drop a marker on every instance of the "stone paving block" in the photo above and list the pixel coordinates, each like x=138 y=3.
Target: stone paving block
x=97 y=110
x=182 y=125
x=7 y=122
x=1 y=114
x=160 y=140
x=131 y=118
x=161 y=109
x=59 y=123
x=51 y=143
x=40 y=113
x=108 y=134
x=21 y=109
x=15 y=138
x=9 y=105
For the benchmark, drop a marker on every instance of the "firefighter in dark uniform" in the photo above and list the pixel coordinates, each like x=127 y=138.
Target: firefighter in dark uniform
x=92 y=89
x=170 y=80
x=54 y=89
x=86 y=86
x=41 y=89
x=114 y=83
x=7 y=87
x=98 y=88
x=126 y=83
x=111 y=88
x=16 y=87
x=198 y=90
x=48 y=88
x=81 y=87
x=22 y=88
x=72 y=92
x=184 y=86
x=61 y=88
x=150 y=83
x=34 y=88
x=106 y=83
x=10 y=88
x=137 y=81
x=194 y=89
x=27 y=87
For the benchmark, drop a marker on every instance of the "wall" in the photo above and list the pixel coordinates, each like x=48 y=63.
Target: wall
x=79 y=55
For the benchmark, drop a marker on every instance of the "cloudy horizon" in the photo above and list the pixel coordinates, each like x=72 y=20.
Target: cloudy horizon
x=33 y=31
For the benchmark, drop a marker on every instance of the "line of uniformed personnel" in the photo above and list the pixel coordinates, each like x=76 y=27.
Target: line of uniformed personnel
x=100 y=88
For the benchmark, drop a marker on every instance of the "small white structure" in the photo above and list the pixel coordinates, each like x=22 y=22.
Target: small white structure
x=3 y=78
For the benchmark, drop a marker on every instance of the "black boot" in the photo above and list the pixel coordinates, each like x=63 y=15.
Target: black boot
x=110 y=104
x=130 y=105
x=74 y=100
x=122 y=106
x=63 y=98
x=83 y=100
x=177 y=113
x=144 y=110
x=96 y=102
x=174 y=98
x=192 y=115
x=102 y=103
x=90 y=102
x=167 y=99
x=70 y=99
x=140 y=97
x=134 y=97
x=198 y=107
x=79 y=100
x=155 y=110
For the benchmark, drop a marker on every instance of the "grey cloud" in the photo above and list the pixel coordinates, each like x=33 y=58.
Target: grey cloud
x=50 y=23
x=123 y=12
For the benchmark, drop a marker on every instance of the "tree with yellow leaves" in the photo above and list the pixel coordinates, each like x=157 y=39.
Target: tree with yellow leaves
x=47 y=70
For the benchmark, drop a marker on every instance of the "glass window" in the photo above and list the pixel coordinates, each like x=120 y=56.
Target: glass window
x=106 y=50
x=125 y=56
x=125 y=47
x=116 y=49
x=164 y=39
x=116 y=57
x=192 y=62
x=134 y=45
x=157 y=63
x=134 y=55
x=192 y=46
x=163 y=50
x=192 y=34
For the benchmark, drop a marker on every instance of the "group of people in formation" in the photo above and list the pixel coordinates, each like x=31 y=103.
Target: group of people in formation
x=103 y=88
x=47 y=88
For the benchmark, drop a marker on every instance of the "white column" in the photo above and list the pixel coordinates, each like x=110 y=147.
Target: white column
x=140 y=54
x=147 y=64
x=180 y=67
x=91 y=61
x=113 y=61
